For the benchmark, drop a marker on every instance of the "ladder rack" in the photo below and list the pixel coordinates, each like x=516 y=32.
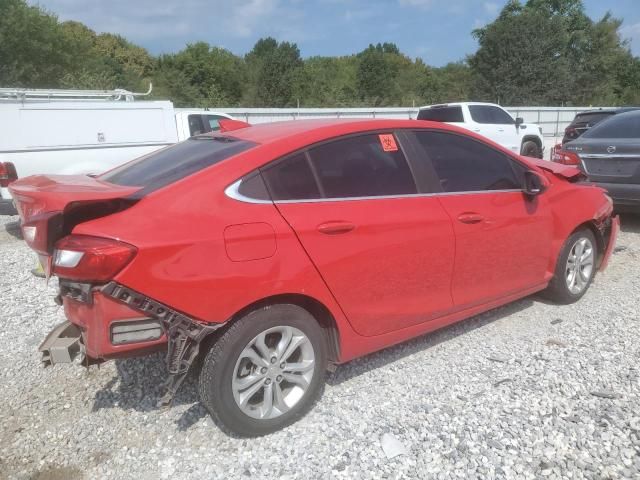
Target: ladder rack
x=27 y=94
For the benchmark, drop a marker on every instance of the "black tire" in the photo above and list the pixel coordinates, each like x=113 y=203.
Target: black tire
x=218 y=369
x=558 y=290
x=531 y=149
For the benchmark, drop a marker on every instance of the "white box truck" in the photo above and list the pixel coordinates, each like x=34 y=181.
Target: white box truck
x=86 y=132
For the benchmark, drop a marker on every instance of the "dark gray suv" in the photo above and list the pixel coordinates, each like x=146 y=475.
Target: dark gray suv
x=610 y=155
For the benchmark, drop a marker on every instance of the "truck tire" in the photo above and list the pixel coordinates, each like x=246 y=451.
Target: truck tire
x=575 y=268
x=531 y=149
x=265 y=372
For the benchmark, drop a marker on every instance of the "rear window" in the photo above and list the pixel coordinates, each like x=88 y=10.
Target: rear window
x=442 y=114
x=591 y=118
x=624 y=125
x=166 y=166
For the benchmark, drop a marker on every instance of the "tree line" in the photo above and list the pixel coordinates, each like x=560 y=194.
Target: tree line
x=538 y=52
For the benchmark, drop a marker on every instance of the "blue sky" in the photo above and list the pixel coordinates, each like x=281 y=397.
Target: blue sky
x=439 y=31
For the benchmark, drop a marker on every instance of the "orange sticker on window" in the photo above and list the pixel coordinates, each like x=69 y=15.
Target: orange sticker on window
x=388 y=142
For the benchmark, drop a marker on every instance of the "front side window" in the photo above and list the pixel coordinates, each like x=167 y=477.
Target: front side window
x=491 y=115
x=466 y=165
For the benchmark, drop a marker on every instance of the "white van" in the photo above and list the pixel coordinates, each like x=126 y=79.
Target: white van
x=58 y=135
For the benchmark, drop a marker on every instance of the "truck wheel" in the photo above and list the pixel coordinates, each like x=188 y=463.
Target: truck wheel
x=575 y=269
x=265 y=372
x=531 y=149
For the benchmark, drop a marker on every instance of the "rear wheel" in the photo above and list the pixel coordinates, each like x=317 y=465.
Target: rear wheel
x=575 y=268
x=265 y=372
x=531 y=149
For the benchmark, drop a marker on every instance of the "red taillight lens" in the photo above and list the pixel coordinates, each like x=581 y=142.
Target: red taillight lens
x=90 y=259
x=8 y=174
x=566 y=158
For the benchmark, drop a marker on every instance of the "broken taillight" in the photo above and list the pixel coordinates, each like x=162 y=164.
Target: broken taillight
x=40 y=231
x=8 y=174
x=90 y=259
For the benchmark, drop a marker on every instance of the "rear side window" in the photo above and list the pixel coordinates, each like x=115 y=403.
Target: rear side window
x=362 y=166
x=488 y=114
x=291 y=179
x=466 y=165
x=442 y=114
x=196 y=127
x=624 y=125
x=163 y=167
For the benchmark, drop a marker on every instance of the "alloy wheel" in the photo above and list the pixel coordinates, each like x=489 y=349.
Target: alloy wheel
x=579 y=265
x=273 y=372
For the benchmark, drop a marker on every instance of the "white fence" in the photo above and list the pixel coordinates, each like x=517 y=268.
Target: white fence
x=553 y=120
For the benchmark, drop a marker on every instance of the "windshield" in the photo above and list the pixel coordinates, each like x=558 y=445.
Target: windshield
x=166 y=166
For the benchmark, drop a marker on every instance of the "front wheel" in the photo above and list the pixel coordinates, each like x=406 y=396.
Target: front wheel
x=531 y=149
x=265 y=372
x=575 y=268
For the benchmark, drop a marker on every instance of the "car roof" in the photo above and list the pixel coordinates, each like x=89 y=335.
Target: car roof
x=608 y=110
x=319 y=129
x=458 y=104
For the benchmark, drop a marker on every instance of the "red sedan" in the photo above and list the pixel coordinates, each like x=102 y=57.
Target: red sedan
x=275 y=250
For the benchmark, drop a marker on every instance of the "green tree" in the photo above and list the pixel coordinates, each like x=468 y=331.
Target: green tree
x=274 y=71
x=33 y=49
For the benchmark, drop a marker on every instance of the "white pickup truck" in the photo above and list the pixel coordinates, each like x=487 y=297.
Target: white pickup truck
x=59 y=135
x=491 y=121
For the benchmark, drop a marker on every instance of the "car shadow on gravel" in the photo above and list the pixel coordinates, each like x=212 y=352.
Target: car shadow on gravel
x=139 y=384
x=630 y=223
x=390 y=355
x=13 y=229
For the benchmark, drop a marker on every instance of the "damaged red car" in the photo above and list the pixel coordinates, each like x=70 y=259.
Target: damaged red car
x=274 y=251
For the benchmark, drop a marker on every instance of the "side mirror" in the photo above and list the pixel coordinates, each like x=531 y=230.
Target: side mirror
x=534 y=184
x=519 y=121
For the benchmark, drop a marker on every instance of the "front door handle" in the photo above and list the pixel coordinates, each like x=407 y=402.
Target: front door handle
x=335 y=228
x=470 y=218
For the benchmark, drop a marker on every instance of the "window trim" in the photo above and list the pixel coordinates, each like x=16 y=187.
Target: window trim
x=306 y=152
x=410 y=148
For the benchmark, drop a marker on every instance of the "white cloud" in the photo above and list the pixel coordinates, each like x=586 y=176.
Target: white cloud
x=632 y=33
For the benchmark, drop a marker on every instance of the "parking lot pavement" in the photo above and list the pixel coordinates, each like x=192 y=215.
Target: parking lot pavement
x=529 y=390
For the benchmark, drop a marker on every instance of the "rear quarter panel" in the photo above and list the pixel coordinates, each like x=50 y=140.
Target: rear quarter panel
x=183 y=260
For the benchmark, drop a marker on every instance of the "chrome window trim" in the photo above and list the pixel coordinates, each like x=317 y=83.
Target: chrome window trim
x=233 y=191
x=387 y=197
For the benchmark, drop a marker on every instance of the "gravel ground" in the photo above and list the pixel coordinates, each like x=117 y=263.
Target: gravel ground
x=529 y=390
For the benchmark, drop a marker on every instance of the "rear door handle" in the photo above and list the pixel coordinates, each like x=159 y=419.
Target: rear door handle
x=335 y=228
x=470 y=218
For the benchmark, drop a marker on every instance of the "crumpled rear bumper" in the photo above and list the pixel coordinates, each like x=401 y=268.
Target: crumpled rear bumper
x=62 y=345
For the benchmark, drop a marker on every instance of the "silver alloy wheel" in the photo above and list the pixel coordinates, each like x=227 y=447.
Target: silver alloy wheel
x=273 y=372
x=579 y=265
